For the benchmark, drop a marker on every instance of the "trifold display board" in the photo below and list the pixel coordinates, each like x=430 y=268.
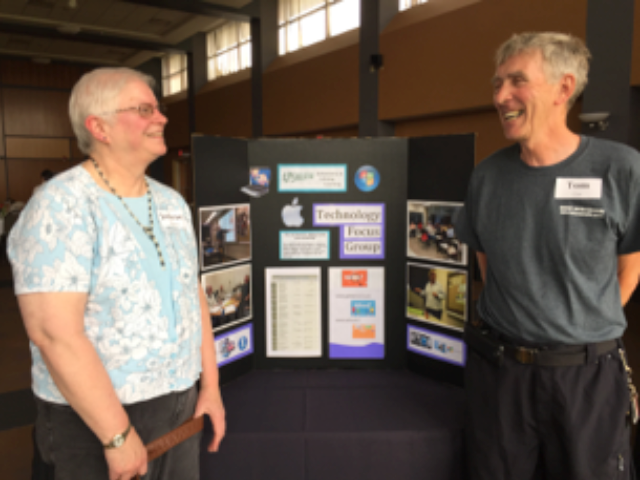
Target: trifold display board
x=348 y=239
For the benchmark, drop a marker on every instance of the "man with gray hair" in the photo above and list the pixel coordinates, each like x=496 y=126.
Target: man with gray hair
x=555 y=222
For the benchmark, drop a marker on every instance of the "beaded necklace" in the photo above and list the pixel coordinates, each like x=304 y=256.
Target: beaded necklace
x=147 y=230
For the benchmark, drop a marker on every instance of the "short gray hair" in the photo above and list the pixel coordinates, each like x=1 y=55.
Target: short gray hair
x=97 y=92
x=562 y=54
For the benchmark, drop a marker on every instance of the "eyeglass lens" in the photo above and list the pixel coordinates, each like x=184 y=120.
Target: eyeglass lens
x=146 y=109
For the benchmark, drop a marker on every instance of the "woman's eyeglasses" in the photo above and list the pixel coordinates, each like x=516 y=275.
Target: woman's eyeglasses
x=145 y=110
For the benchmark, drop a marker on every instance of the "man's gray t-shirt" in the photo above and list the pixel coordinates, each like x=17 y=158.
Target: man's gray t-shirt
x=552 y=236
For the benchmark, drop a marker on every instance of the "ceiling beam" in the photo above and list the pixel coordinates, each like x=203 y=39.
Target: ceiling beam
x=86 y=37
x=198 y=7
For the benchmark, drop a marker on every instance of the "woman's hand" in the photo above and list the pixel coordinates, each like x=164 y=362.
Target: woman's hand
x=129 y=460
x=210 y=402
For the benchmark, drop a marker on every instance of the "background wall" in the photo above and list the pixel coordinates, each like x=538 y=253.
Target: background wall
x=35 y=133
x=435 y=79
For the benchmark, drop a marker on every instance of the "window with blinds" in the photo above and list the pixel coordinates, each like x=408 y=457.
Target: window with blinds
x=228 y=49
x=304 y=22
x=406 y=4
x=174 y=73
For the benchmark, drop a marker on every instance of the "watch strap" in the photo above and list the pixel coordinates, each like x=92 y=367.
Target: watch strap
x=119 y=439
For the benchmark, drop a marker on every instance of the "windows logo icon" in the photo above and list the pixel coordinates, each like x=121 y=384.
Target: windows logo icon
x=367 y=178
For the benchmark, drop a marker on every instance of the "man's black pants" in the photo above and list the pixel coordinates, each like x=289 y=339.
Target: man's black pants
x=568 y=422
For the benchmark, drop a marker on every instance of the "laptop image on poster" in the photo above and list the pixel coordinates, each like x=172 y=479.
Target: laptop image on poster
x=259 y=179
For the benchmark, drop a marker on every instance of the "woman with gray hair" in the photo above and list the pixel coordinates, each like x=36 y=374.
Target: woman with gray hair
x=105 y=270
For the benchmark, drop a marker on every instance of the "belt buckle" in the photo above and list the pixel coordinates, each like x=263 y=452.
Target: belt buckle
x=526 y=355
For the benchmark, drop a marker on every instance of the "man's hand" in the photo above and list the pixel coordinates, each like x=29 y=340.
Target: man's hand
x=210 y=402
x=129 y=460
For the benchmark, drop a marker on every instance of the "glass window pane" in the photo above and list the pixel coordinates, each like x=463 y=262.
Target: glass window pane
x=314 y=28
x=175 y=63
x=211 y=68
x=293 y=38
x=344 y=16
x=245 y=56
x=166 y=88
x=245 y=31
x=282 y=47
x=211 y=44
x=174 y=84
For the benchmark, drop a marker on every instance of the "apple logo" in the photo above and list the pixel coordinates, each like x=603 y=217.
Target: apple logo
x=291 y=214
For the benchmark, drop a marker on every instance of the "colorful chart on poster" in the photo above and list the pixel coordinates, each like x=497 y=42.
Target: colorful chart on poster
x=312 y=178
x=361 y=228
x=436 y=345
x=356 y=312
x=293 y=312
x=233 y=345
x=305 y=245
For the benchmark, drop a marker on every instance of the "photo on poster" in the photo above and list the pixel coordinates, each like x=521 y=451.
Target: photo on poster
x=228 y=293
x=437 y=295
x=430 y=232
x=293 y=298
x=225 y=235
x=234 y=344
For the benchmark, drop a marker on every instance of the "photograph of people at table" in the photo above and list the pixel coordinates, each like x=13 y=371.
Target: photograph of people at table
x=228 y=295
x=431 y=235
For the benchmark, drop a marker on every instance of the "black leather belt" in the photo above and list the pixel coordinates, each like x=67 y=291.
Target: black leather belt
x=487 y=344
x=558 y=357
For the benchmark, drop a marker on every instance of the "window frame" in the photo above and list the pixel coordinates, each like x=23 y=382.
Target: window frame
x=284 y=26
x=213 y=56
x=182 y=73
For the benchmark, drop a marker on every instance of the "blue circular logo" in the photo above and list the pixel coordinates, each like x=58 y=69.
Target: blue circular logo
x=367 y=178
x=242 y=343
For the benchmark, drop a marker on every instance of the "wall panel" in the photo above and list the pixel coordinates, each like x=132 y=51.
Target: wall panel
x=635 y=55
x=35 y=112
x=176 y=132
x=445 y=64
x=30 y=147
x=225 y=111
x=24 y=175
x=484 y=124
x=26 y=73
x=314 y=95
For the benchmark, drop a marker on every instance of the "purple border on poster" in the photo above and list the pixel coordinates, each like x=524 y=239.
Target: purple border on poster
x=342 y=225
x=372 y=350
x=249 y=351
x=355 y=256
x=420 y=351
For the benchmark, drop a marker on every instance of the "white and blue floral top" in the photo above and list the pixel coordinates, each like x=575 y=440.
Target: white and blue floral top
x=146 y=326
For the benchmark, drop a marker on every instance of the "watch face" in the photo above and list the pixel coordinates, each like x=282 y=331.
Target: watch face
x=118 y=441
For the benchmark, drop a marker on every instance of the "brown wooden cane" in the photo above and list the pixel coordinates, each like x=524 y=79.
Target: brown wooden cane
x=163 y=444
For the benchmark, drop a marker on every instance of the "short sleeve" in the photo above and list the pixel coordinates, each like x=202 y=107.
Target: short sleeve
x=51 y=247
x=629 y=241
x=464 y=221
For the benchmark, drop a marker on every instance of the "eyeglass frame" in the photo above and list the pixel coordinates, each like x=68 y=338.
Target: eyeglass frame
x=159 y=107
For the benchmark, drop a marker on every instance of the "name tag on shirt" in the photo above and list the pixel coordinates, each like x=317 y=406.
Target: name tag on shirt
x=172 y=218
x=587 y=188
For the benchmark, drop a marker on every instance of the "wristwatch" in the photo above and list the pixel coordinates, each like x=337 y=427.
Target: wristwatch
x=118 y=440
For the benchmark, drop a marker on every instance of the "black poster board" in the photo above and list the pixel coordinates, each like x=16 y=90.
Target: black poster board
x=389 y=157
x=430 y=169
x=439 y=168
x=220 y=170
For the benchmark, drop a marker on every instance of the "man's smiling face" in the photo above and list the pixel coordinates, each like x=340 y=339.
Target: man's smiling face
x=524 y=97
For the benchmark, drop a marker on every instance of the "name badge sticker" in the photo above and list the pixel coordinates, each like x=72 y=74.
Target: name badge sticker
x=586 y=188
x=171 y=218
